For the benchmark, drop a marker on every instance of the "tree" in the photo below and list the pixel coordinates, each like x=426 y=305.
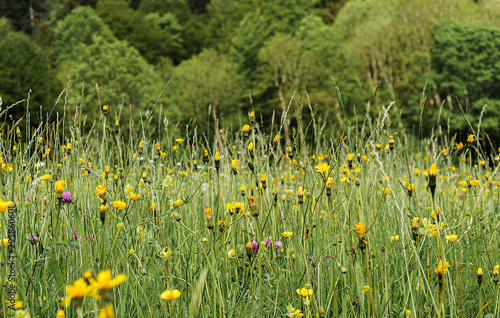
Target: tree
x=132 y=26
x=24 y=14
x=466 y=64
x=122 y=74
x=285 y=55
x=178 y=8
x=5 y=27
x=258 y=26
x=23 y=67
x=79 y=28
x=208 y=79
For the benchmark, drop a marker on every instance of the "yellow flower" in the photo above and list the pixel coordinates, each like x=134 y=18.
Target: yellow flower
x=470 y=139
x=217 y=156
x=100 y=190
x=442 y=268
x=59 y=186
x=239 y=207
x=4 y=206
x=263 y=177
x=178 y=202
x=231 y=253
x=135 y=197
x=459 y=146
x=165 y=252
x=77 y=291
x=366 y=288
x=208 y=211
x=322 y=167
x=179 y=140
x=414 y=221
x=60 y=314
x=119 y=205
x=276 y=139
x=104 y=281
x=46 y=177
x=386 y=190
x=496 y=270
x=417 y=171
x=300 y=192
x=250 y=146
x=474 y=183
x=444 y=152
x=394 y=238
x=433 y=170
x=360 y=228
x=153 y=207
x=245 y=128
x=107 y=312
x=451 y=238
x=304 y=292
x=329 y=182
x=105 y=107
x=463 y=183
x=234 y=164
x=287 y=234
x=479 y=271
x=170 y=294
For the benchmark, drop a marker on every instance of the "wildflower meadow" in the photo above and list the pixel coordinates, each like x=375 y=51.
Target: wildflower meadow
x=246 y=221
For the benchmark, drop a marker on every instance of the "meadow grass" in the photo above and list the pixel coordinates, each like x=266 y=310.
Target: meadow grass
x=360 y=225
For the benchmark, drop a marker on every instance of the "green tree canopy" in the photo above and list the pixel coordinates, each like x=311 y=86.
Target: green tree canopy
x=152 y=40
x=23 y=67
x=466 y=64
x=79 y=27
x=122 y=74
x=197 y=86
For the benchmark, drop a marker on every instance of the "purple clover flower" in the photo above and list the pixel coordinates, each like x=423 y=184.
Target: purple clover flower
x=269 y=242
x=75 y=235
x=33 y=239
x=66 y=197
x=255 y=246
x=278 y=244
x=92 y=237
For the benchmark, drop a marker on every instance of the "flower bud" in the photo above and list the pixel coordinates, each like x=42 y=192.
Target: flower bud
x=176 y=216
x=321 y=312
x=210 y=223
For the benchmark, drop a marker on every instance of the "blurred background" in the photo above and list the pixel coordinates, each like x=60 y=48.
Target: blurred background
x=343 y=61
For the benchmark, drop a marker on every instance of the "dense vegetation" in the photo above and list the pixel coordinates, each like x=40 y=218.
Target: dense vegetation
x=438 y=60
x=367 y=225
x=134 y=197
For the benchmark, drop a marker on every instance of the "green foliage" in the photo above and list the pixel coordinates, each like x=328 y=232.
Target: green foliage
x=23 y=67
x=465 y=60
x=258 y=26
x=5 y=27
x=328 y=57
x=153 y=40
x=80 y=27
x=178 y=8
x=197 y=86
x=121 y=73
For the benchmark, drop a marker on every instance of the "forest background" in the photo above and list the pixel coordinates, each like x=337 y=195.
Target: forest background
x=341 y=61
